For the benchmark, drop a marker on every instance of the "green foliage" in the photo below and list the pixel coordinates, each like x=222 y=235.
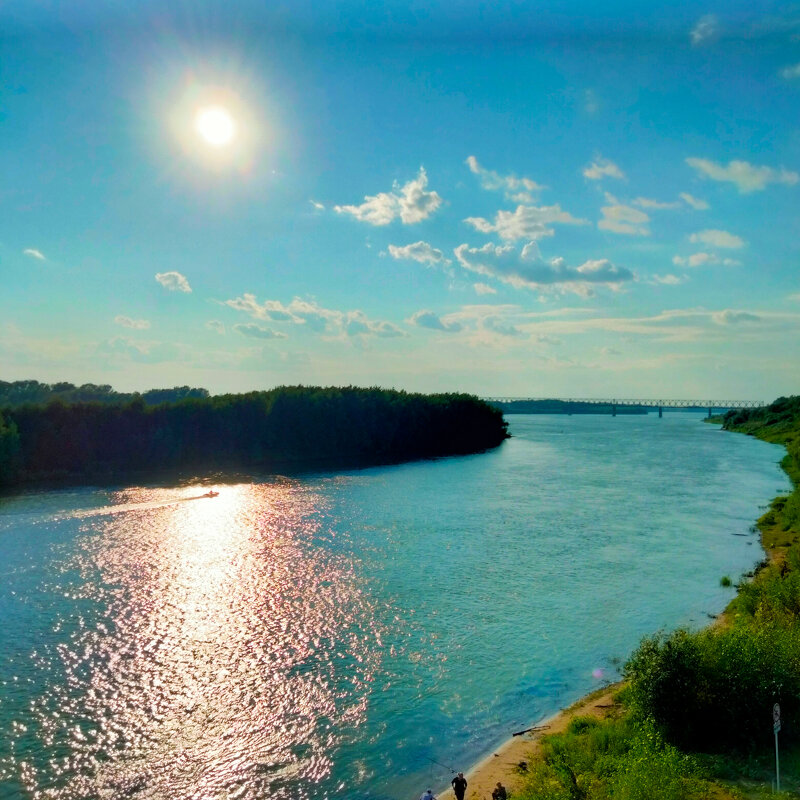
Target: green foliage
x=9 y=451
x=725 y=581
x=715 y=689
x=18 y=393
x=291 y=426
x=617 y=758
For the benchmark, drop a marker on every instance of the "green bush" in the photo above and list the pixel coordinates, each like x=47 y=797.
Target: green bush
x=715 y=689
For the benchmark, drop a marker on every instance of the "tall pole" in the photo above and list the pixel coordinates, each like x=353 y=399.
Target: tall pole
x=777 y=765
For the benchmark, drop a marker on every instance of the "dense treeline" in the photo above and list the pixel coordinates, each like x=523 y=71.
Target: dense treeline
x=284 y=427
x=19 y=393
x=695 y=713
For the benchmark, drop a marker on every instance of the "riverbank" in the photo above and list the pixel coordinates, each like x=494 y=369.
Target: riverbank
x=771 y=595
x=505 y=763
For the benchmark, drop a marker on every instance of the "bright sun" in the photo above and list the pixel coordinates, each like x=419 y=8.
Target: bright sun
x=215 y=125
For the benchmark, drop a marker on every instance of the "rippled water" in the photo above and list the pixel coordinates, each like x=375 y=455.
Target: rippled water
x=335 y=635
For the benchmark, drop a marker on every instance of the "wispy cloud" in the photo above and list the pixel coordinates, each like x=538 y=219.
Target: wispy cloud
x=694 y=202
x=428 y=319
x=704 y=259
x=717 y=238
x=135 y=324
x=421 y=252
x=173 y=281
x=603 y=168
x=216 y=326
x=669 y=280
x=528 y=270
x=792 y=72
x=34 y=253
x=317 y=206
x=410 y=203
x=656 y=205
x=517 y=189
x=624 y=219
x=705 y=28
x=526 y=222
x=483 y=288
x=253 y=331
x=315 y=317
x=745 y=176
x=731 y=317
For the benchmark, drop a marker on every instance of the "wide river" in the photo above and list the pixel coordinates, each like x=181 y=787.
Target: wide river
x=355 y=635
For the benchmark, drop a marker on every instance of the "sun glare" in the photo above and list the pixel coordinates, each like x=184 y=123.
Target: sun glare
x=215 y=125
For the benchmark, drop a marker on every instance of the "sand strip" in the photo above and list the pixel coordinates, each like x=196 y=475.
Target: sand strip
x=503 y=763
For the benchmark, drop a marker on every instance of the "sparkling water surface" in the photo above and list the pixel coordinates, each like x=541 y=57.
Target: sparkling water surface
x=336 y=635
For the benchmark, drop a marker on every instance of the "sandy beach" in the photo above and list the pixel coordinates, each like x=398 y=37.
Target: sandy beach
x=503 y=763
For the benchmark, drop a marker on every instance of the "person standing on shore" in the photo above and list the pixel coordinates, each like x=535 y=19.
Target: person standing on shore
x=428 y=795
x=459 y=785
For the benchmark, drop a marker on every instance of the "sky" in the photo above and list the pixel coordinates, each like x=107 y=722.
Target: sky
x=563 y=199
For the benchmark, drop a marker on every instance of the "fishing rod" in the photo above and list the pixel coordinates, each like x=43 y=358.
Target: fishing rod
x=439 y=763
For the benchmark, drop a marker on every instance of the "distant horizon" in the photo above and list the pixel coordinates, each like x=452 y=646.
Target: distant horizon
x=564 y=201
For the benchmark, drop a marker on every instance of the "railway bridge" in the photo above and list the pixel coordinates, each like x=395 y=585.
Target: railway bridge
x=615 y=403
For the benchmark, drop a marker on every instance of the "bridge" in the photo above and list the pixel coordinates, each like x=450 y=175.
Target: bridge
x=614 y=403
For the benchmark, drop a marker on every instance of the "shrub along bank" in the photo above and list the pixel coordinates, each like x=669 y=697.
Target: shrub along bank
x=694 y=714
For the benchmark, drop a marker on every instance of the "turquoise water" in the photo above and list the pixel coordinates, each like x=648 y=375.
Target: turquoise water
x=335 y=635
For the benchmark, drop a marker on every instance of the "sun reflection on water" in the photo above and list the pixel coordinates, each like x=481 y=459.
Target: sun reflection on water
x=231 y=655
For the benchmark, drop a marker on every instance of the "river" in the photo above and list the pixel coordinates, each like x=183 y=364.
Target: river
x=337 y=635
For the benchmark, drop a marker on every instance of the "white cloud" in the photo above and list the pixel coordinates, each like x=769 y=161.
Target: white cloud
x=34 y=253
x=483 y=288
x=317 y=206
x=216 y=326
x=746 y=176
x=603 y=168
x=624 y=219
x=717 y=238
x=528 y=270
x=694 y=202
x=703 y=259
x=706 y=28
x=410 y=203
x=794 y=296
x=526 y=222
x=135 y=324
x=419 y=251
x=792 y=72
x=520 y=190
x=730 y=317
x=253 y=331
x=646 y=202
x=315 y=317
x=669 y=280
x=173 y=281
x=428 y=319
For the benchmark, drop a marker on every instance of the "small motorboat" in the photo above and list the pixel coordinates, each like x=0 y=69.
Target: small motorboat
x=211 y=493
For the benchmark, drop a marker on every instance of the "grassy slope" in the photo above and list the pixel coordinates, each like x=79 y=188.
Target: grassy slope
x=627 y=756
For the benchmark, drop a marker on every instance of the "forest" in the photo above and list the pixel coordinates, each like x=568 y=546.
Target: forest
x=289 y=427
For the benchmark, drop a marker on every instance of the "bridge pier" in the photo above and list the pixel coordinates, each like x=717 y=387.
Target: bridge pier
x=660 y=412
x=613 y=409
x=709 y=412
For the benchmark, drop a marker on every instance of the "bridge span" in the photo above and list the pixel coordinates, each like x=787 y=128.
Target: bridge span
x=614 y=403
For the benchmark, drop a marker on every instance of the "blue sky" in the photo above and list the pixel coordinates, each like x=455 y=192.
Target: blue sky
x=506 y=199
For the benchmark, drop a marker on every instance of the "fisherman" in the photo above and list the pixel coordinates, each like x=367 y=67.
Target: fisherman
x=459 y=785
x=429 y=795
x=499 y=792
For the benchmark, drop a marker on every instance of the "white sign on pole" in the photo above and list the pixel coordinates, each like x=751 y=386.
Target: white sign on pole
x=776 y=726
